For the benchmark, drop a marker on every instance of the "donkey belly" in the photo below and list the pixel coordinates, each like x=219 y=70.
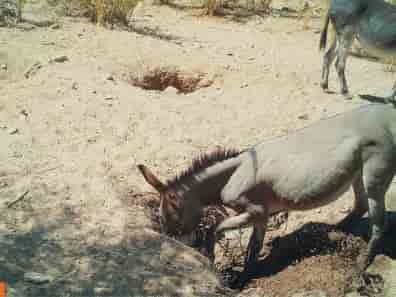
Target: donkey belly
x=309 y=180
x=377 y=33
x=321 y=199
x=378 y=49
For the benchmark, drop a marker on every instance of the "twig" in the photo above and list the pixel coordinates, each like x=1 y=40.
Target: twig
x=18 y=199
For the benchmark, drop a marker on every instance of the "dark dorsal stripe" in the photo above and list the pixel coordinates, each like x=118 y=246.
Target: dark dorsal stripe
x=204 y=161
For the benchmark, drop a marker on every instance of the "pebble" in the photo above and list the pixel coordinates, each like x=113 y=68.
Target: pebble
x=55 y=26
x=14 y=131
x=303 y=117
x=60 y=59
x=36 y=278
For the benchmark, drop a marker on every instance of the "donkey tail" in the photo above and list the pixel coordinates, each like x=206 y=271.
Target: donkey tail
x=323 y=33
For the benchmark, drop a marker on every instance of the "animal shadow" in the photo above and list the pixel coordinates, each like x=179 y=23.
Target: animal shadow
x=376 y=99
x=311 y=240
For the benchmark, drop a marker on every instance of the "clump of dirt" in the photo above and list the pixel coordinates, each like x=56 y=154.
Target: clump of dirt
x=149 y=202
x=324 y=256
x=212 y=216
x=160 y=78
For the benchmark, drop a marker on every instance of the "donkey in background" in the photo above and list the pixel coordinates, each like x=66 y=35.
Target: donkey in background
x=301 y=171
x=373 y=22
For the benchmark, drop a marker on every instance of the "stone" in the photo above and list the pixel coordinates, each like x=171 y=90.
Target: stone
x=55 y=26
x=60 y=59
x=36 y=278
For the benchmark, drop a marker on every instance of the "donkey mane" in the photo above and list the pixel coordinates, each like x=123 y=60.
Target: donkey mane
x=204 y=161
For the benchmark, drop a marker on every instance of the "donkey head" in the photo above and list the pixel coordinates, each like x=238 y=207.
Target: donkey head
x=179 y=213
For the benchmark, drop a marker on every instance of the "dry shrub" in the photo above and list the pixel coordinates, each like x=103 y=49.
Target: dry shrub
x=109 y=11
x=390 y=64
x=210 y=6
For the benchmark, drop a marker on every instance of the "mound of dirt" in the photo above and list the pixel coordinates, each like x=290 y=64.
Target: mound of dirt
x=314 y=258
x=160 y=78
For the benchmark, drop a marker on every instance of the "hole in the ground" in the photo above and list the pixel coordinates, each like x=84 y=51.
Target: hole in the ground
x=161 y=78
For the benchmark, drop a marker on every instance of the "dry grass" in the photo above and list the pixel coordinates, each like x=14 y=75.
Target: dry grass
x=390 y=65
x=210 y=6
x=109 y=11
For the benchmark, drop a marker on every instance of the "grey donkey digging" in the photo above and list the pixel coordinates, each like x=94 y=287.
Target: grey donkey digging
x=373 y=22
x=301 y=171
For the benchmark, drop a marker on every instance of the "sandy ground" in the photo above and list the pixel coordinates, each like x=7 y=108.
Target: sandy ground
x=73 y=132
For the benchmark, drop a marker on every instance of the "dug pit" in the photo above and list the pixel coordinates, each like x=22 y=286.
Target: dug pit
x=164 y=77
x=314 y=258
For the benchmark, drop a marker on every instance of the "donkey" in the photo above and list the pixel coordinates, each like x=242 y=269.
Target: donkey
x=373 y=22
x=301 y=171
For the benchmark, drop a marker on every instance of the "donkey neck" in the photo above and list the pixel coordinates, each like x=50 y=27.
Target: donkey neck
x=207 y=184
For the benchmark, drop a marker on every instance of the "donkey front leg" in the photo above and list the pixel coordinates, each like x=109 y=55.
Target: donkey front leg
x=345 y=39
x=328 y=59
x=259 y=221
x=255 y=244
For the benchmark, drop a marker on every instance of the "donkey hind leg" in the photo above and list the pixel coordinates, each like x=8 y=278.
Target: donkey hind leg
x=328 y=59
x=361 y=203
x=345 y=39
x=377 y=178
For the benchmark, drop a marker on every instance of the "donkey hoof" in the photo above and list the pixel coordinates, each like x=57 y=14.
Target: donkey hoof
x=324 y=86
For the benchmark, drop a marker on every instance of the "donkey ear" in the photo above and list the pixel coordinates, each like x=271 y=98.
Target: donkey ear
x=151 y=178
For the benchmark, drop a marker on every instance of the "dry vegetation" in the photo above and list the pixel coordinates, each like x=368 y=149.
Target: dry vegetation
x=109 y=11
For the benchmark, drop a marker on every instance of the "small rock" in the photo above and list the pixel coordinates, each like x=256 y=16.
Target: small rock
x=335 y=236
x=110 y=77
x=14 y=131
x=36 y=278
x=102 y=291
x=75 y=86
x=109 y=98
x=24 y=113
x=171 y=90
x=3 y=66
x=314 y=293
x=346 y=210
x=303 y=117
x=60 y=59
x=230 y=54
x=25 y=26
x=33 y=69
x=55 y=26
